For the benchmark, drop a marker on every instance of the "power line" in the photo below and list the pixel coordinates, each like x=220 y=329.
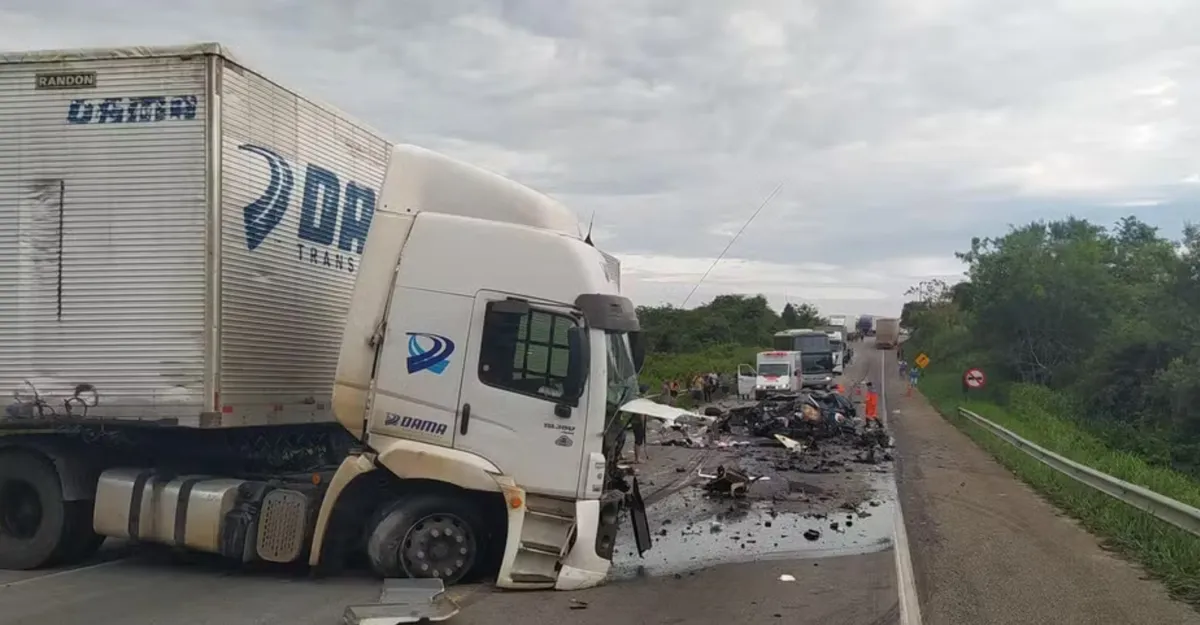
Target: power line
x=731 y=242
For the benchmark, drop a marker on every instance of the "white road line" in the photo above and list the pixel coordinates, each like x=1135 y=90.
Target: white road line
x=91 y=567
x=910 y=606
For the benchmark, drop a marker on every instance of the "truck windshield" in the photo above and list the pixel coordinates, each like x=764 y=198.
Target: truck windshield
x=778 y=369
x=622 y=377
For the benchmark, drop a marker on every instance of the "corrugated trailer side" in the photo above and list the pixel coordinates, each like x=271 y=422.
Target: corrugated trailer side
x=299 y=183
x=103 y=230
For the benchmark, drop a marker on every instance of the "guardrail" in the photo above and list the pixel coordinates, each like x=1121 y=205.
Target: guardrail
x=1176 y=513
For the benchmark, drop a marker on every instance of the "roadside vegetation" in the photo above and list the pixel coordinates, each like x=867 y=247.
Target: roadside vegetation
x=1090 y=341
x=717 y=336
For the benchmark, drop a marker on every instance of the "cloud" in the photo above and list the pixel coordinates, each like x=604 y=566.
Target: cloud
x=898 y=129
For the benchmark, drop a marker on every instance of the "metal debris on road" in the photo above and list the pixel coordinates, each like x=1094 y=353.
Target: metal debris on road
x=405 y=601
x=729 y=481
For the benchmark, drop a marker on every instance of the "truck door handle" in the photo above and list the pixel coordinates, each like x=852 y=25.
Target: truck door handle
x=464 y=418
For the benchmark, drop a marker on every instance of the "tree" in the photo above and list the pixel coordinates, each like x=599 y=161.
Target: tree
x=726 y=320
x=802 y=316
x=1106 y=317
x=789 y=316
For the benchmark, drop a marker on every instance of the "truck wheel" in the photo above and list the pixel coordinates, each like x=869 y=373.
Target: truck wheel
x=80 y=541
x=32 y=511
x=427 y=535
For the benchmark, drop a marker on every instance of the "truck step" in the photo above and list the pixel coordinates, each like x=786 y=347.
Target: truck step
x=551 y=533
x=549 y=550
x=533 y=565
x=534 y=578
x=541 y=504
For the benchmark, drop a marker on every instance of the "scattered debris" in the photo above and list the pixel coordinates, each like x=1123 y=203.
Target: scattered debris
x=576 y=604
x=787 y=578
x=729 y=481
x=405 y=601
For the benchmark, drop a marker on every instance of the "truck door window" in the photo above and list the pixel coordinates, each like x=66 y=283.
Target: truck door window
x=525 y=353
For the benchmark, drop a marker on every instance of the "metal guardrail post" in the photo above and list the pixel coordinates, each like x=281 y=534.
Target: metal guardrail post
x=1164 y=508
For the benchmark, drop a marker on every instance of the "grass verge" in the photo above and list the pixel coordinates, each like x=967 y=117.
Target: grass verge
x=1036 y=414
x=683 y=366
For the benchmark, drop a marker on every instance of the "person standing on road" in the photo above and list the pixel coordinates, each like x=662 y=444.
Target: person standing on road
x=698 y=388
x=639 y=438
x=872 y=404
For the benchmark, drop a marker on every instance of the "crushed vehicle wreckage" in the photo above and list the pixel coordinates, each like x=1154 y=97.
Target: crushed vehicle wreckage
x=805 y=423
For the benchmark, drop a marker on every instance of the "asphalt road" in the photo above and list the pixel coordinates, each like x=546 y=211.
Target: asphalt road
x=984 y=550
x=988 y=551
x=716 y=563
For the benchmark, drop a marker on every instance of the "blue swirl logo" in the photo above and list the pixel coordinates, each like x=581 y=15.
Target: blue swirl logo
x=434 y=357
x=266 y=213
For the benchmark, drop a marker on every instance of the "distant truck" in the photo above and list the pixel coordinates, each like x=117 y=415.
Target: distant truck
x=865 y=326
x=237 y=321
x=843 y=324
x=838 y=344
x=887 y=333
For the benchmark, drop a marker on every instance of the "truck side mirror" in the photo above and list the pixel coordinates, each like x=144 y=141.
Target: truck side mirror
x=637 y=349
x=578 y=360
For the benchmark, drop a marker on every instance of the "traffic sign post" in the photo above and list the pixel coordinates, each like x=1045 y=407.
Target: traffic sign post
x=973 y=380
x=922 y=360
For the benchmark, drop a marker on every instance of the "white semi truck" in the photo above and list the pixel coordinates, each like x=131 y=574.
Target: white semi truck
x=238 y=322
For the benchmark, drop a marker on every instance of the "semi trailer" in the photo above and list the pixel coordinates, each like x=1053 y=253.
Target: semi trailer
x=236 y=321
x=887 y=333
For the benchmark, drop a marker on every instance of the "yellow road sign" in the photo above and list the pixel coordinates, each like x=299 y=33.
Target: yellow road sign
x=922 y=360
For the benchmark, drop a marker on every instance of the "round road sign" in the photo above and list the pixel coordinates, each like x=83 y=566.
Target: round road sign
x=975 y=378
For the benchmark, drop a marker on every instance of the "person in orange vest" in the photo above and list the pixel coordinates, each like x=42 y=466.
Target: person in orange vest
x=872 y=403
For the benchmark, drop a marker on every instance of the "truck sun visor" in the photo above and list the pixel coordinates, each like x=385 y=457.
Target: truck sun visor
x=608 y=312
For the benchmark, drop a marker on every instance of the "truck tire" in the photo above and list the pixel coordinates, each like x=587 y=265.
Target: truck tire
x=80 y=541
x=33 y=515
x=426 y=535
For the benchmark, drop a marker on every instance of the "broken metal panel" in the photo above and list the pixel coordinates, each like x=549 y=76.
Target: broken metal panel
x=405 y=601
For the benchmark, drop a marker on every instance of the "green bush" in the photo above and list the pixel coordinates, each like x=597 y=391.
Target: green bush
x=1057 y=421
x=682 y=367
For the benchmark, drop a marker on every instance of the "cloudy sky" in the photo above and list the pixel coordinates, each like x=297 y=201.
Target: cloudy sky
x=898 y=129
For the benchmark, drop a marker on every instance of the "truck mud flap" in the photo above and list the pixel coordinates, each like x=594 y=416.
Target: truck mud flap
x=405 y=601
x=637 y=517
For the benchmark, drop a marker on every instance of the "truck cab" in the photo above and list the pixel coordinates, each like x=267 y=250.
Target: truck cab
x=489 y=380
x=776 y=372
x=838 y=345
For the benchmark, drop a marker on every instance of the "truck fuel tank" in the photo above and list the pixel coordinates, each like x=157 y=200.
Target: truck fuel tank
x=239 y=519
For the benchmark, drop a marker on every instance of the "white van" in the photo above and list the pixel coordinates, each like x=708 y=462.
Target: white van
x=776 y=372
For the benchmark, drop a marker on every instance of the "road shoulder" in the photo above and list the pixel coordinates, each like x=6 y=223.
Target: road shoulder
x=988 y=550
